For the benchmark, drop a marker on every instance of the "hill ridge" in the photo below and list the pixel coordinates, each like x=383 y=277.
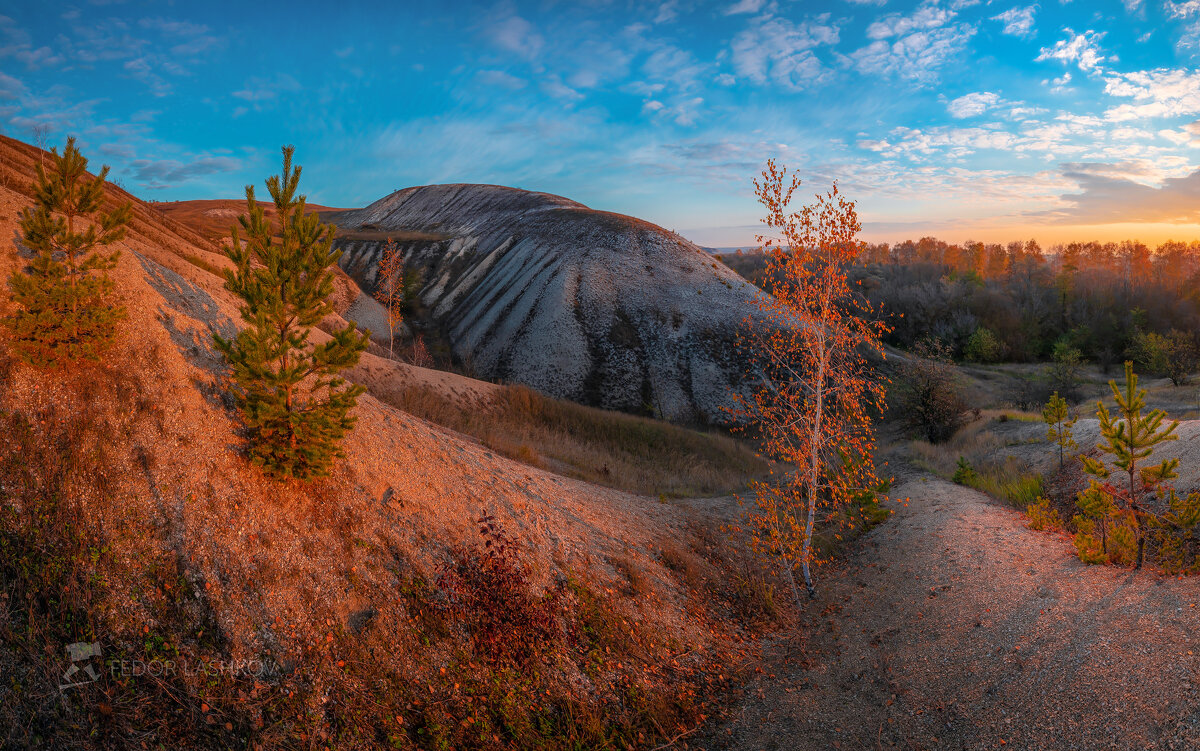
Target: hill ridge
x=597 y=307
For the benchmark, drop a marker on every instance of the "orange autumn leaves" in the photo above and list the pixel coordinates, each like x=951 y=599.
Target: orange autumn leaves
x=815 y=392
x=389 y=291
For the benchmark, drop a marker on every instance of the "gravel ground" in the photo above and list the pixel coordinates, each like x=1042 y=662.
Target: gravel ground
x=954 y=626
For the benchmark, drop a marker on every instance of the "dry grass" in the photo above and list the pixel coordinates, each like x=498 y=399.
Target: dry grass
x=199 y=262
x=974 y=441
x=630 y=453
x=716 y=563
x=410 y=675
x=638 y=584
x=985 y=468
x=214 y=218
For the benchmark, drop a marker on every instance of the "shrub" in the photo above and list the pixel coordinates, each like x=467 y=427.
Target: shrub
x=1059 y=421
x=983 y=347
x=965 y=474
x=1129 y=439
x=488 y=590
x=1178 y=535
x=1087 y=547
x=1123 y=542
x=1151 y=352
x=1062 y=376
x=1042 y=516
x=930 y=396
x=1183 y=356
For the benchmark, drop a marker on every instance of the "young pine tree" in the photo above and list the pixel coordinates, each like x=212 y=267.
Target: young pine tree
x=66 y=313
x=1129 y=438
x=295 y=406
x=1059 y=421
x=817 y=393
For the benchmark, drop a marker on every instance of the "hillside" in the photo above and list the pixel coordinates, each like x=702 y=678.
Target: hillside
x=213 y=218
x=331 y=586
x=586 y=305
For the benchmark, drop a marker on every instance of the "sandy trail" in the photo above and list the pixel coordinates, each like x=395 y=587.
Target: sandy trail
x=955 y=626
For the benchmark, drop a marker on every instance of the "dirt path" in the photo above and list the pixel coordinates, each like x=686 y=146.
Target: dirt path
x=954 y=626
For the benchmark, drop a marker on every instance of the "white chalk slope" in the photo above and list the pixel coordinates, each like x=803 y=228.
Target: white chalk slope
x=586 y=305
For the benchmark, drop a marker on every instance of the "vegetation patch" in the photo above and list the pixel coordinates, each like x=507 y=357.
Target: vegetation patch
x=635 y=454
x=1005 y=480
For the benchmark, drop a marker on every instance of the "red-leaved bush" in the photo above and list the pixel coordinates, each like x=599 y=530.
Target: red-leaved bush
x=488 y=590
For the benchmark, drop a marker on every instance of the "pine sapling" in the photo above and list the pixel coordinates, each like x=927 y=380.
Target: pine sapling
x=66 y=313
x=296 y=407
x=1129 y=438
x=1058 y=418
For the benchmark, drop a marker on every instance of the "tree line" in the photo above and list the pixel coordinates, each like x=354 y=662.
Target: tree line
x=1019 y=302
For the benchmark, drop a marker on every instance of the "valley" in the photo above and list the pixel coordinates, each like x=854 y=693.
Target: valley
x=942 y=619
x=669 y=375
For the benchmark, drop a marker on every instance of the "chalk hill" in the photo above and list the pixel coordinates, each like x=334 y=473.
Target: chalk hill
x=586 y=305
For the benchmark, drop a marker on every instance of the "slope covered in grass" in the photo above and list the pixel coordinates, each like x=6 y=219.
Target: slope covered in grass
x=130 y=517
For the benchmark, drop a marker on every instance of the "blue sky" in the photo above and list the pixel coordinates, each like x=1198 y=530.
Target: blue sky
x=965 y=119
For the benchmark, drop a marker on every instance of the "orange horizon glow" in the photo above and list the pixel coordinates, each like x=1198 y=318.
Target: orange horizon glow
x=1151 y=234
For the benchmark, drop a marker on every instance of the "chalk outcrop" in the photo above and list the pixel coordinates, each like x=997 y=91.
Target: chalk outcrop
x=586 y=305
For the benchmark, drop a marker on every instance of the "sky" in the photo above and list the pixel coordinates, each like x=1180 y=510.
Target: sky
x=965 y=119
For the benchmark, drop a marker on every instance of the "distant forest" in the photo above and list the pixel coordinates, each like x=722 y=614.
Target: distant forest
x=1020 y=302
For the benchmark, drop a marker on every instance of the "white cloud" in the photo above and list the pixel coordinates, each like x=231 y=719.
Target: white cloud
x=260 y=90
x=500 y=79
x=778 y=50
x=514 y=34
x=1080 y=49
x=745 y=6
x=686 y=112
x=10 y=88
x=1060 y=83
x=1017 y=22
x=1185 y=9
x=913 y=46
x=674 y=66
x=952 y=141
x=971 y=105
x=928 y=16
x=1157 y=93
x=1189 y=134
x=560 y=90
x=916 y=56
x=141 y=69
x=667 y=12
x=1177 y=137
x=16 y=43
